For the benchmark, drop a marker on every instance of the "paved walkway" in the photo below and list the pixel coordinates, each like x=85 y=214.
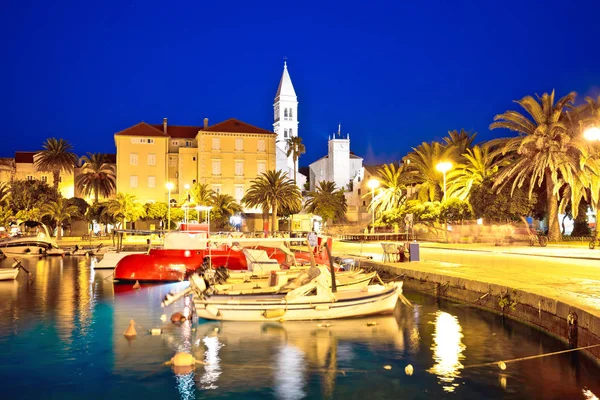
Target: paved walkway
x=567 y=274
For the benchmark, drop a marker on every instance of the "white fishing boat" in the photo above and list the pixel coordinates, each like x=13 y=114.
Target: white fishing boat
x=111 y=258
x=7 y=274
x=312 y=301
x=35 y=241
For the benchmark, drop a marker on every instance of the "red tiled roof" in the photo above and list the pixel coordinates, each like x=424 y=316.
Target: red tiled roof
x=236 y=126
x=142 y=129
x=24 y=156
x=180 y=132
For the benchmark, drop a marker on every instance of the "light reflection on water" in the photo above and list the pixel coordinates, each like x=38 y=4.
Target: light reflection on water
x=63 y=331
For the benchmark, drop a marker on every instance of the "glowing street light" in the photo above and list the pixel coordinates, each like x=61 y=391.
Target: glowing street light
x=169 y=188
x=592 y=133
x=372 y=184
x=444 y=167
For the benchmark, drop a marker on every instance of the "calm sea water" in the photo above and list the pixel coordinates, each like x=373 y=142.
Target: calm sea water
x=61 y=338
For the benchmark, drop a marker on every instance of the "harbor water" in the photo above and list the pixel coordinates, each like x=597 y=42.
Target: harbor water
x=61 y=337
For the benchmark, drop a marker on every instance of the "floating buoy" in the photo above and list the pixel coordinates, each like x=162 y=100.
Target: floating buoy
x=216 y=330
x=409 y=370
x=388 y=367
x=371 y=323
x=156 y=331
x=177 y=318
x=163 y=317
x=137 y=285
x=501 y=365
x=130 y=331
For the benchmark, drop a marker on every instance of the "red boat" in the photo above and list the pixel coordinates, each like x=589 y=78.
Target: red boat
x=184 y=252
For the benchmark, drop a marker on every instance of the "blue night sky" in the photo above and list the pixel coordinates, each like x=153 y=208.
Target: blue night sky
x=393 y=73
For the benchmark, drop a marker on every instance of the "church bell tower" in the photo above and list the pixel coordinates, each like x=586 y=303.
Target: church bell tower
x=285 y=115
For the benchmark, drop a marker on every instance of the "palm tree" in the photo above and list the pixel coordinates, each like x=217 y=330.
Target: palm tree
x=273 y=190
x=97 y=176
x=56 y=158
x=544 y=152
x=460 y=142
x=224 y=206
x=327 y=201
x=421 y=169
x=5 y=193
x=478 y=165
x=295 y=148
x=125 y=207
x=201 y=194
x=391 y=192
x=59 y=211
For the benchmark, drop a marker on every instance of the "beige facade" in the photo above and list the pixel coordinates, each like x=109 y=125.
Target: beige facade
x=226 y=156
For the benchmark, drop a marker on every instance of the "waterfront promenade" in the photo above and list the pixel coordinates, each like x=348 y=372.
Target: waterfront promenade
x=570 y=274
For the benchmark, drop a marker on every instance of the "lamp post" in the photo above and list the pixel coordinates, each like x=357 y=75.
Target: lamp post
x=444 y=167
x=372 y=184
x=169 y=188
x=185 y=215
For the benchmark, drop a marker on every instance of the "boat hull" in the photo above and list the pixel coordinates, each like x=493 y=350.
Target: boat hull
x=274 y=308
x=32 y=248
x=7 y=274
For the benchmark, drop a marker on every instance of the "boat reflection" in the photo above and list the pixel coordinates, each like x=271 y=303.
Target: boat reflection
x=447 y=349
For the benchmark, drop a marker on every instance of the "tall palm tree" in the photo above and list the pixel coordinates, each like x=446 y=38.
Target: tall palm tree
x=391 y=192
x=201 y=194
x=59 y=211
x=544 y=152
x=422 y=170
x=295 y=148
x=97 y=176
x=5 y=193
x=327 y=201
x=460 y=142
x=271 y=191
x=477 y=166
x=56 y=158
x=224 y=206
x=125 y=207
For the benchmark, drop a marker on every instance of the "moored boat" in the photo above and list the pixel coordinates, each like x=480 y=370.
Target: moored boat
x=36 y=241
x=312 y=301
x=8 y=274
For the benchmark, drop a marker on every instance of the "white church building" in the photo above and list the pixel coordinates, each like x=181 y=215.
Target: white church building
x=285 y=125
x=339 y=165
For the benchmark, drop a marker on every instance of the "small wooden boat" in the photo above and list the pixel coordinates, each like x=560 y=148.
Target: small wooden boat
x=311 y=301
x=7 y=274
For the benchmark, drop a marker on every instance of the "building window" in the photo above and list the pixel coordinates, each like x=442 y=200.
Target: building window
x=188 y=143
x=216 y=143
x=133 y=182
x=29 y=177
x=285 y=113
x=364 y=203
x=133 y=159
x=172 y=161
x=239 y=144
x=193 y=182
x=216 y=167
x=285 y=133
x=261 y=144
x=290 y=132
x=261 y=168
x=45 y=179
x=290 y=113
x=151 y=181
x=216 y=189
x=150 y=141
x=239 y=168
x=239 y=193
x=359 y=192
x=194 y=158
x=176 y=174
x=175 y=142
x=151 y=159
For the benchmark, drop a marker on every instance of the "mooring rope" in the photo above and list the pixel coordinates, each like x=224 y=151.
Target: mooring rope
x=504 y=362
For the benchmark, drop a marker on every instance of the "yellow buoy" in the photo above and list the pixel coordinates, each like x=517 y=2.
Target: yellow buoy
x=388 y=367
x=501 y=365
x=130 y=331
x=409 y=370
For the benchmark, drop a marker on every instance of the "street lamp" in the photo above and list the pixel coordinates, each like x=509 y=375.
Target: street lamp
x=372 y=184
x=169 y=188
x=592 y=133
x=185 y=215
x=444 y=167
